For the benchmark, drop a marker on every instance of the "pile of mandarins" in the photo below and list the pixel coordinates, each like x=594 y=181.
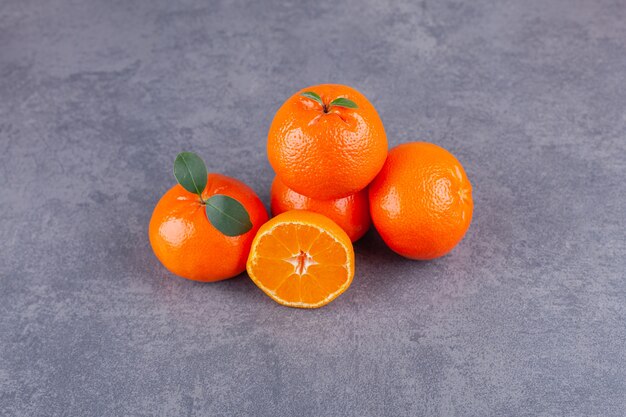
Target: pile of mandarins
x=334 y=177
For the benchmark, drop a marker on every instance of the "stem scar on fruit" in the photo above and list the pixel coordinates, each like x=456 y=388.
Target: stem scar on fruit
x=338 y=102
x=225 y=213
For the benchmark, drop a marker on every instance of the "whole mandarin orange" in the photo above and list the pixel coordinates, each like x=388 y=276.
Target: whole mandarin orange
x=421 y=201
x=351 y=213
x=186 y=242
x=321 y=146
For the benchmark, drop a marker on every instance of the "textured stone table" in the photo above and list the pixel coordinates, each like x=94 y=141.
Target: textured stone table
x=527 y=317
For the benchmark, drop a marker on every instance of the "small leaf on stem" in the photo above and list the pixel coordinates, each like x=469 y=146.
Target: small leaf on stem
x=228 y=215
x=313 y=96
x=190 y=172
x=344 y=102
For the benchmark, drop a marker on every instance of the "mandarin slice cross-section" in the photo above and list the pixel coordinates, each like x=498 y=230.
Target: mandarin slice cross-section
x=301 y=259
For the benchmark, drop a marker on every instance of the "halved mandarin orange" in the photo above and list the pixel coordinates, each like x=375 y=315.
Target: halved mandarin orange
x=301 y=259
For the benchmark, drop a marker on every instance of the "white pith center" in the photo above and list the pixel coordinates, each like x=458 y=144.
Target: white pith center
x=301 y=262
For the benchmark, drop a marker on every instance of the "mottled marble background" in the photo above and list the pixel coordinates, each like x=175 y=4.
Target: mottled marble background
x=526 y=317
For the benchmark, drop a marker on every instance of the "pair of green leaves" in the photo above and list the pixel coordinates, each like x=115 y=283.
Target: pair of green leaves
x=225 y=213
x=338 y=102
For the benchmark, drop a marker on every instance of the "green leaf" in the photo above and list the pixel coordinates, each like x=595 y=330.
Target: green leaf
x=190 y=172
x=313 y=96
x=228 y=215
x=344 y=102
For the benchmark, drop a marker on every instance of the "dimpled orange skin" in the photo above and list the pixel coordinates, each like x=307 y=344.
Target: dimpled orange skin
x=327 y=155
x=186 y=242
x=351 y=213
x=421 y=201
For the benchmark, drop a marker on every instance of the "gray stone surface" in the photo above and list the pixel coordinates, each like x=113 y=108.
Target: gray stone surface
x=526 y=317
